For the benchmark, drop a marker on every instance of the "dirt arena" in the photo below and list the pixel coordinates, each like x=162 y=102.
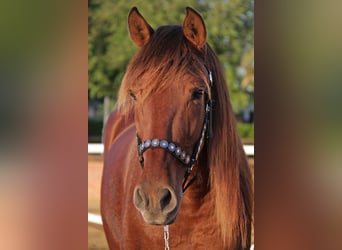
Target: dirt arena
x=96 y=238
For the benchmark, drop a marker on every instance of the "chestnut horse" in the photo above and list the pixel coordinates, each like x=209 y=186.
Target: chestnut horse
x=172 y=152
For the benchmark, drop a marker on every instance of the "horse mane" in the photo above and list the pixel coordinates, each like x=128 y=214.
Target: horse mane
x=230 y=176
x=168 y=55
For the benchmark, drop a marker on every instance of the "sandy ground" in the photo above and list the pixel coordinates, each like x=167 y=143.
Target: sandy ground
x=96 y=238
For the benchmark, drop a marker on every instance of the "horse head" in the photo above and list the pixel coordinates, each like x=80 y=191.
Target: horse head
x=169 y=88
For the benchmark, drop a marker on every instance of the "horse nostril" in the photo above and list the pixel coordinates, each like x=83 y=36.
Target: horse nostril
x=168 y=200
x=140 y=199
x=165 y=198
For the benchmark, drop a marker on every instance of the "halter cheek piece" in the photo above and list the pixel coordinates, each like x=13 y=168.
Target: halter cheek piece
x=186 y=159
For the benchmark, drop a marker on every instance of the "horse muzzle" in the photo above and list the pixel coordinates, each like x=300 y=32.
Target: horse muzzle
x=157 y=207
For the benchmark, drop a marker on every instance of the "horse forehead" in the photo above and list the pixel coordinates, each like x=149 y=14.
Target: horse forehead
x=161 y=108
x=169 y=97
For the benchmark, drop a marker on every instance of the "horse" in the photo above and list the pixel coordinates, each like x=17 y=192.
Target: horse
x=172 y=155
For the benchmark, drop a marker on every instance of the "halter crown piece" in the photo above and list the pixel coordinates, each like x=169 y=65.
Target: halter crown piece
x=176 y=150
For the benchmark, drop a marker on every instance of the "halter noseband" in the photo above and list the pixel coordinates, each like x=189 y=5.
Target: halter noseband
x=185 y=158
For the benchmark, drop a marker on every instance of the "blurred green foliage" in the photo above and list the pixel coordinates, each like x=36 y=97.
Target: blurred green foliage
x=230 y=32
x=246 y=130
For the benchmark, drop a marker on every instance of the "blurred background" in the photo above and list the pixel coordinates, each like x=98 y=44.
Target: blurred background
x=230 y=32
x=44 y=92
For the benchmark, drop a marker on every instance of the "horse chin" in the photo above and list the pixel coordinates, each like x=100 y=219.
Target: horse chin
x=159 y=220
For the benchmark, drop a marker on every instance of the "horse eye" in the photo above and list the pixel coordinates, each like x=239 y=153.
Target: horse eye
x=197 y=94
x=132 y=95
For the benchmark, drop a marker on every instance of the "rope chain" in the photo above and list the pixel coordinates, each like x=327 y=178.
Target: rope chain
x=166 y=237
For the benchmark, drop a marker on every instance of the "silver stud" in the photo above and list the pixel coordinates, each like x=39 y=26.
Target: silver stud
x=141 y=148
x=187 y=159
x=155 y=143
x=178 y=151
x=147 y=143
x=172 y=147
x=183 y=155
x=163 y=144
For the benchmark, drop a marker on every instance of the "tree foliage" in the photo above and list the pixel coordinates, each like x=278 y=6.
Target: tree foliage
x=230 y=29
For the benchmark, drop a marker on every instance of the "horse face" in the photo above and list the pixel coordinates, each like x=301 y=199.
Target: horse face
x=171 y=108
x=175 y=114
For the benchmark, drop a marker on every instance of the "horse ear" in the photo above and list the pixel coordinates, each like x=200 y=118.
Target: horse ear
x=139 y=30
x=194 y=28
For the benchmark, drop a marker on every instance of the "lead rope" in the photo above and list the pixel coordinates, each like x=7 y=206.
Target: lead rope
x=166 y=237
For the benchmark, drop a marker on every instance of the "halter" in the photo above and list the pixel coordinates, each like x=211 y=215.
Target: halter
x=188 y=160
